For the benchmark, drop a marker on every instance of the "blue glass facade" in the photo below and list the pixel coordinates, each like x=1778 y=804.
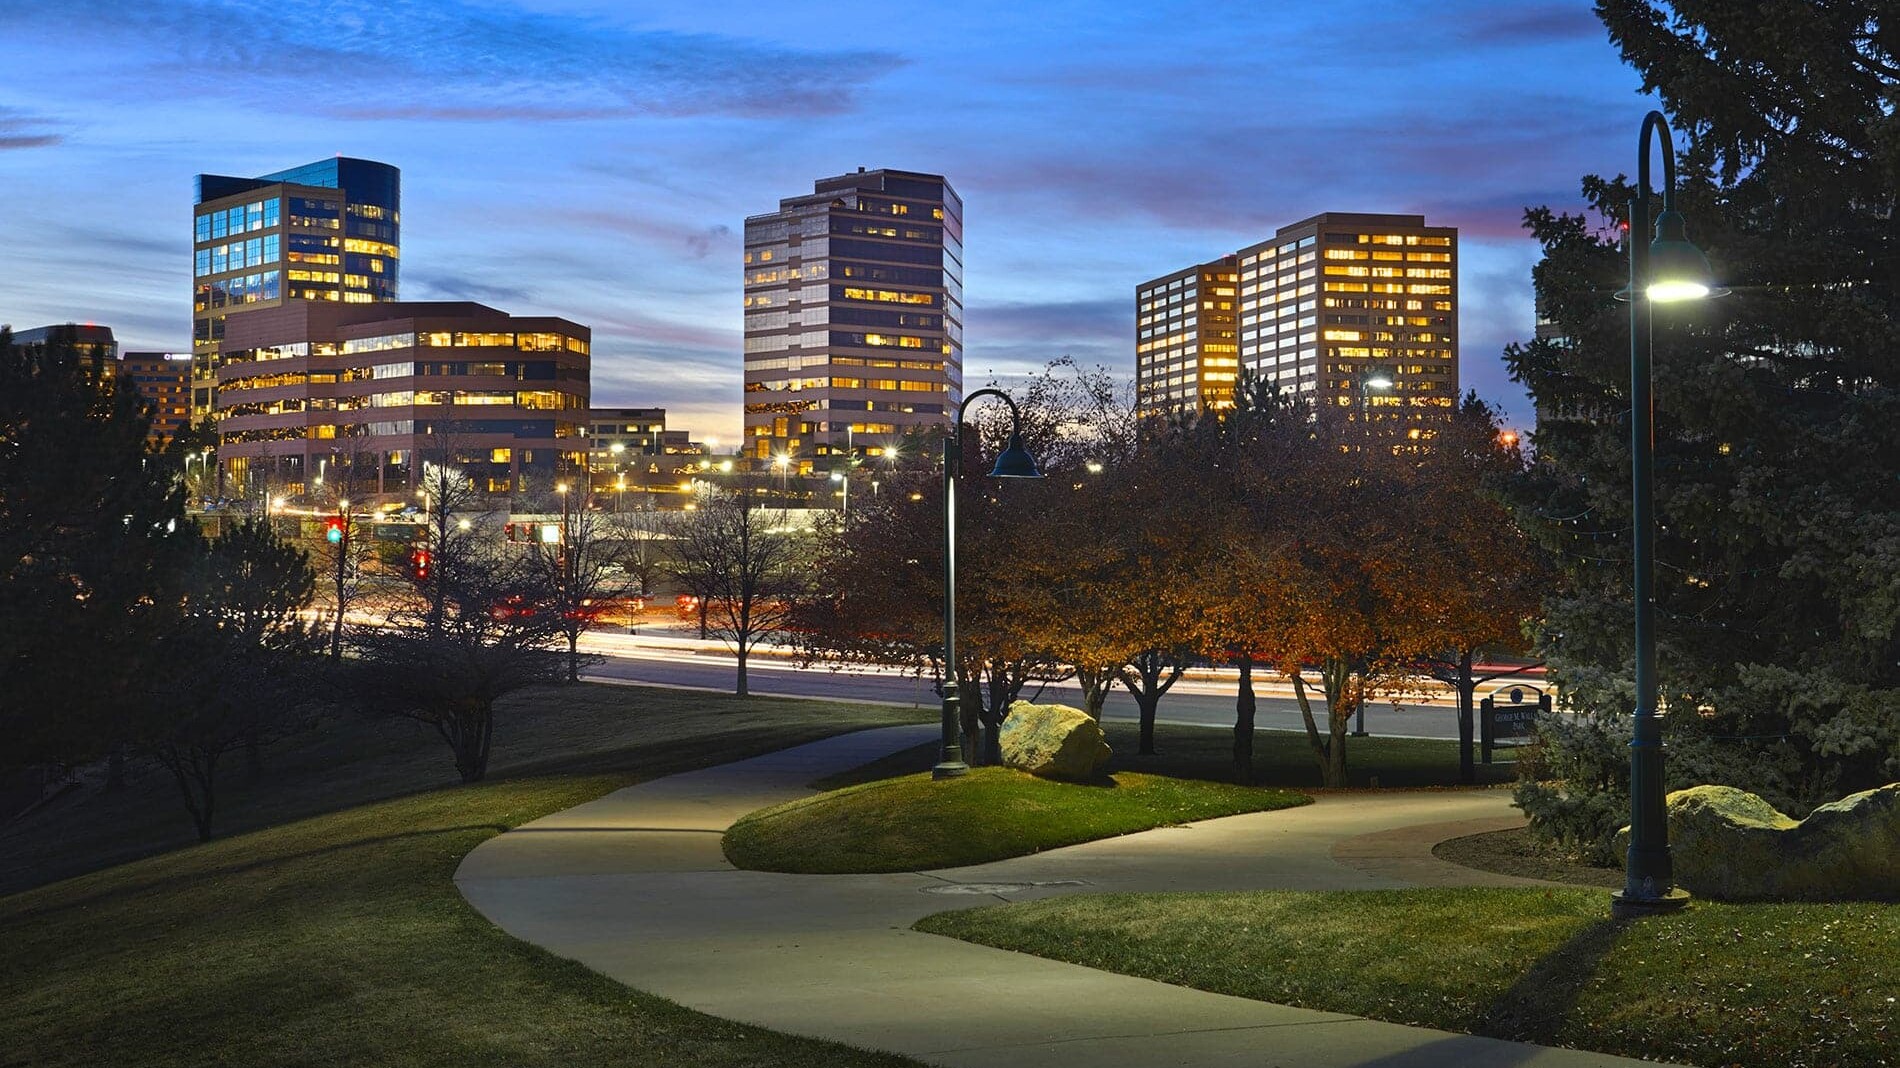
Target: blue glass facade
x=329 y=230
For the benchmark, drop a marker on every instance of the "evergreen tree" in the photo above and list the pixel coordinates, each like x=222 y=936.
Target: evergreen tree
x=1777 y=437
x=93 y=553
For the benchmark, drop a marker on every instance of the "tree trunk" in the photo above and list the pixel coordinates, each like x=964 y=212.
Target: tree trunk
x=1147 y=702
x=473 y=739
x=573 y=657
x=336 y=634
x=1467 y=690
x=702 y=619
x=1243 y=723
x=1339 y=708
x=741 y=689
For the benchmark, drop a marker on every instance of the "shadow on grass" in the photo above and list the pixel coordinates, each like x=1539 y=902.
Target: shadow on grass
x=1535 y=1007
x=198 y=875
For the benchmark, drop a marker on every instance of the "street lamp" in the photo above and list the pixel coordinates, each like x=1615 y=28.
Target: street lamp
x=1667 y=270
x=838 y=476
x=1014 y=462
x=1369 y=380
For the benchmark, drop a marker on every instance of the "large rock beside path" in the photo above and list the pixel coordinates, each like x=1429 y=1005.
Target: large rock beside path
x=1729 y=843
x=1055 y=741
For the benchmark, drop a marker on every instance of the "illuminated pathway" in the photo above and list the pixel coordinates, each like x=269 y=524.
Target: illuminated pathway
x=634 y=885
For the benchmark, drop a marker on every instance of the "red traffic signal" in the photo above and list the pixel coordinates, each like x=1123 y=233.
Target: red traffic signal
x=333 y=529
x=419 y=564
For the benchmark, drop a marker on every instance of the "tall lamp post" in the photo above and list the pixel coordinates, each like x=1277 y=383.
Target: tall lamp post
x=1666 y=271
x=1371 y=379
x=1014 y=462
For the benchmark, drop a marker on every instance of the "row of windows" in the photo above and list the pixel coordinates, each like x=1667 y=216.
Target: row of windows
x=260 y=288
x=796 y=385
x=235 y=256
x=1382 y=255
x=257 y=215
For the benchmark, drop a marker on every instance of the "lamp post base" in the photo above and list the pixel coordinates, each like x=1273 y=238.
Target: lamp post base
x=949 y=769
x=1624 y=907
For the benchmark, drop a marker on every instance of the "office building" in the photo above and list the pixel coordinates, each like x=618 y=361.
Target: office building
x=364 y=393
x=1356 y=312
x=159 y=378
x=631 y=449
x=1338 y=303
x=853 y=316
x=327 y=232
x=1187 y=351
x=163 y=380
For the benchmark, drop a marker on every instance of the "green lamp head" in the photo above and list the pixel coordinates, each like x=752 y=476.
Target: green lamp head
x=1015 y=461
x=1678 y=270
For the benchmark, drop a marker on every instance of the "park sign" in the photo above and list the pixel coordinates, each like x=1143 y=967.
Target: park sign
x=1512 y=721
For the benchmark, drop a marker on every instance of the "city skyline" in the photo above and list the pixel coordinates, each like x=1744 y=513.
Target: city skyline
x=578 y=184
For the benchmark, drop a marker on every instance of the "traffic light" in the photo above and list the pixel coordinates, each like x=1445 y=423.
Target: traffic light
x=419 y=564
x=333 y=530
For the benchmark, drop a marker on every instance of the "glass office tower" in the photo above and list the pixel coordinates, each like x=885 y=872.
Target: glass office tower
x=324 y=231
x=853 y=316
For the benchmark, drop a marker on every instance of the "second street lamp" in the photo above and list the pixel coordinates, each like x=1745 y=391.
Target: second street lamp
x=1013 y=462
x=1666 y=271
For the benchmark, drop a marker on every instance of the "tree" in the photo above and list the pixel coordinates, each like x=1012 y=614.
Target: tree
x=477 y=628
x=1490 y=579
x=345 y=548
x=93 y=551
x=1778 y=517
x=236 y=667
x=745 y=567
x=577 y=574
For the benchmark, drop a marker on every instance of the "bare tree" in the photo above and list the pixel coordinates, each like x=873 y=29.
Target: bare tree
x=481 y=627
x=745 y=563
x=577 y=575
x=345 y=548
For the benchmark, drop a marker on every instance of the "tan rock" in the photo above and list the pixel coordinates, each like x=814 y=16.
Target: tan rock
x=1055 y=741
x=1729 y=843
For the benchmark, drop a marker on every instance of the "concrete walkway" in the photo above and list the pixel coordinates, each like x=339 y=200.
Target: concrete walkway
x=634 y=886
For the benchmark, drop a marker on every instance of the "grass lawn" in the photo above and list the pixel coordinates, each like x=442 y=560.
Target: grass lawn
x=913 y=823
x=1761 y=986
x=339 y=938
x=1280 y=758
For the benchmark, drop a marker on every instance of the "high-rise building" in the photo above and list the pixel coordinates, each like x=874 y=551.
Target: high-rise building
x=853 y=315
x=159 y=378
x=1187 y=352
x=163 y=380
x=326 y=231
x=312 y=389
x=1357 y=312
x=1354 y=311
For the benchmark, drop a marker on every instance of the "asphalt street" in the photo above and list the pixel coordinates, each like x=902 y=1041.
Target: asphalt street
x=1197 y=701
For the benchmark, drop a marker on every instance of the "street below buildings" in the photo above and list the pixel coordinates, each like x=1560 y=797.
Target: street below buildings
x=663 y=657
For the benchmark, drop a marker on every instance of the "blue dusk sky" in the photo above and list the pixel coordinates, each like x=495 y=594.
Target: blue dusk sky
x=596 y=160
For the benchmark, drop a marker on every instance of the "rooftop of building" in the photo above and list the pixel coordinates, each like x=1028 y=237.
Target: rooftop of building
x=863 y=180
x=365 y=178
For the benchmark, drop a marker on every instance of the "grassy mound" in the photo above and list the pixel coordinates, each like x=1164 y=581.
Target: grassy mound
x=914 y=823
x=341 y=939
x=1760 y=986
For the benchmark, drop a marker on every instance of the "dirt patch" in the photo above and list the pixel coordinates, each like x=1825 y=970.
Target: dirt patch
x=1515 y=852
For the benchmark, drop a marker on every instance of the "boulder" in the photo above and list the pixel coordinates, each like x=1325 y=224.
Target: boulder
x=1055 y=741
x=1729 y=843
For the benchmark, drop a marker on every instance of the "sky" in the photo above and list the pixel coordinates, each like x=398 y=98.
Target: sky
x=596 y=160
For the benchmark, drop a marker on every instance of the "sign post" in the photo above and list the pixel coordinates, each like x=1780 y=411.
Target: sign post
x=1513 y=722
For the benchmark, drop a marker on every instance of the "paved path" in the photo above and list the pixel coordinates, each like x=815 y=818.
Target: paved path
x=634 y=885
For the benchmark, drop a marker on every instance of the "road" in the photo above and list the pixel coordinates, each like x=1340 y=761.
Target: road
x=669 y=661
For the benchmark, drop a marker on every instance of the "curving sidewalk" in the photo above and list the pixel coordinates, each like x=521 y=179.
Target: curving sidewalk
x=634 y=886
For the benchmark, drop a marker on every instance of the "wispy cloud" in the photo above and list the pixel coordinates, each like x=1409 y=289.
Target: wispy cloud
x=19 y=129
x=454 y=62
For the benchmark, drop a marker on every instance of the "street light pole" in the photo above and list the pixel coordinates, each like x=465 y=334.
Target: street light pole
x=1672 y=270
x=1014 y=462
x=1369 y=380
